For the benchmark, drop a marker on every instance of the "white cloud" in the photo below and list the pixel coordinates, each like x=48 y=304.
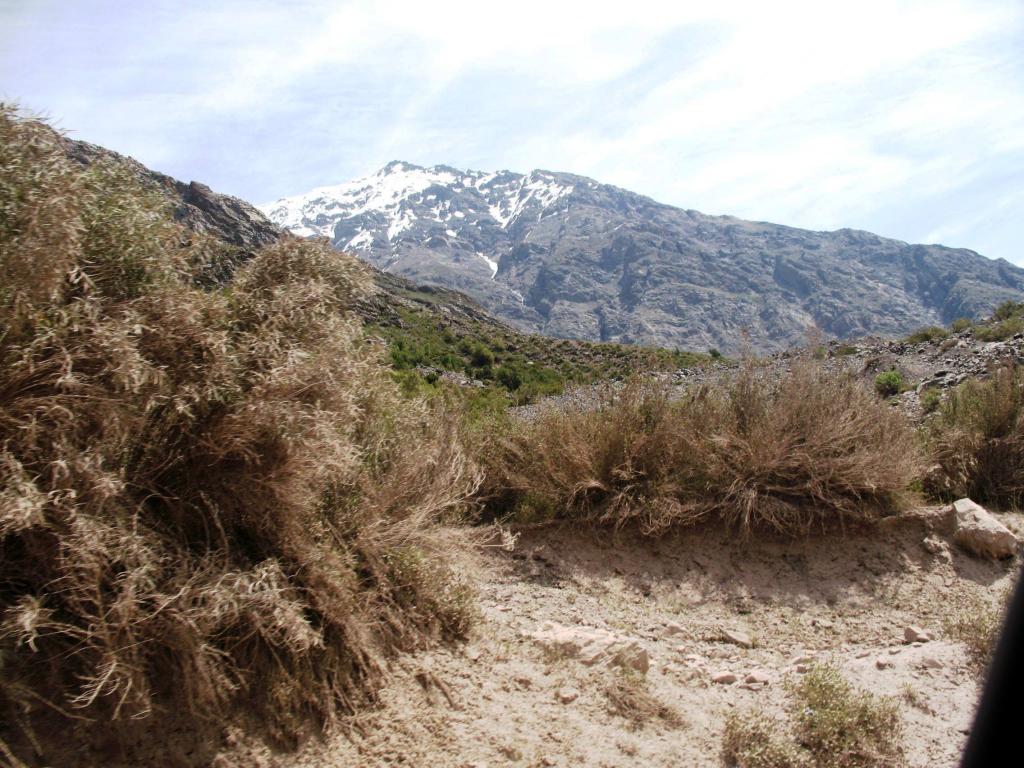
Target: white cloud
x=903 y=116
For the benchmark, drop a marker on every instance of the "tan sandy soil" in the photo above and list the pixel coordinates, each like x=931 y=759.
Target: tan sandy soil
x=847 y=599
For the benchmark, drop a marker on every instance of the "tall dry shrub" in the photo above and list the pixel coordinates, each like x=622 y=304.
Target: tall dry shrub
x=213 y=505
x=752 y=451
x=977 y=441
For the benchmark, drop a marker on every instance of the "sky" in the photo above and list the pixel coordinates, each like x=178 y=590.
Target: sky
x=902 y=118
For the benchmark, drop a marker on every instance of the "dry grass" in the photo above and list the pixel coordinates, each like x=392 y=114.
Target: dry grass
x=628 y=697
x=977 y=442
x=755 y=453
x=977 y=624
x=831 y=725
x=211 y=504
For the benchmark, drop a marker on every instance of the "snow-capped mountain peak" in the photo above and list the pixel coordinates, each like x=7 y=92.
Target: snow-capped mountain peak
x=387 y=203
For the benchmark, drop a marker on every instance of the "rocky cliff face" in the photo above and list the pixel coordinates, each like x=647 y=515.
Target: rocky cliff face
x=227 y=218
x=566 y=256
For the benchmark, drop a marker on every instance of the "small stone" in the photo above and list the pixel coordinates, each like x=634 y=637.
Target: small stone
x=916 y=635
x=933 y=545
x=803 y=669
x=548 y=762
x=737 y=637
x=752 y=686
x=567 y=695
x=673 y=628
x=894 y=651
x=883 y=663
x=863 y=654
x=823 y=623
x=930 y=662
x=804 y=659
x=724 y=678
x=757 y=676
x=473 y=654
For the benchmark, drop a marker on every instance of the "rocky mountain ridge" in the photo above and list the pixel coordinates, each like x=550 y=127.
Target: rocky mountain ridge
x=567 y=256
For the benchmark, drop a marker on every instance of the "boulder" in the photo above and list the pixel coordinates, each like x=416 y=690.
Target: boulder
x=980 y=533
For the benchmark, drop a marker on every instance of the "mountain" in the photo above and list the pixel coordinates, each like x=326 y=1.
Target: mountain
x=430 y=329
x=567 y=256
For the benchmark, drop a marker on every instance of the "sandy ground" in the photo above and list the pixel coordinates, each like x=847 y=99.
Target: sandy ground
x=504 y=699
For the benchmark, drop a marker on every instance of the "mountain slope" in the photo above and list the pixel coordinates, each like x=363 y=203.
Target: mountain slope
x=566 y=256
x=430 y=330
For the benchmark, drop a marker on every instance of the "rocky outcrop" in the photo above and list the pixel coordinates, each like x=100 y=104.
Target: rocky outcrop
x=202 y=210
x=592 y=646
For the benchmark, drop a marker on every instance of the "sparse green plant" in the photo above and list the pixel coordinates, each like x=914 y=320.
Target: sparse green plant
x=1001 y=330
x=889 y=383
x=931 y=399
x=842 y=726
x=975 y=623
x=755 y=740
x=1007 y=310
x=831 y=724
x=960 y=325
x=931 y=333
x=910 y=695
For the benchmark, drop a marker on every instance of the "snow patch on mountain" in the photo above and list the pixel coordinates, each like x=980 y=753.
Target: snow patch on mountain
x=397 y=196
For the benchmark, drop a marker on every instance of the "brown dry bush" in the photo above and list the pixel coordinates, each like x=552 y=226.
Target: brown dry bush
x=977 y=442
x=212 y=504
x=629 y=697
x=754 y=452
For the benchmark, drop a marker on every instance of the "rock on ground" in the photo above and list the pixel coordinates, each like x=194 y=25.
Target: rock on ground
x=980 y=533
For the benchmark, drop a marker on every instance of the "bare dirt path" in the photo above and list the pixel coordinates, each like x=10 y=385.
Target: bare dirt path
x=506 y=699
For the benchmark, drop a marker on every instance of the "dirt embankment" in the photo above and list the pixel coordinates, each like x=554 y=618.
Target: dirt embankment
x=567 y=616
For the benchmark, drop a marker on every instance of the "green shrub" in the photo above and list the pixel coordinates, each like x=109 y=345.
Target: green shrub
x=831 y=725
x=755 y=740
x=960 y=325
x=845 y=727
x=931 y=399
x=889 y=383
x=1007 y=310
x=976 y=624
x=1000 y=331
x=931 y=333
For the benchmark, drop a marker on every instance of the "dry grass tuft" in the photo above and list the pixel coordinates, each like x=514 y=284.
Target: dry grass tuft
x=753 y=452
x=211 y=503
x=977 y=624
x=977 y=442
x=628 y=697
